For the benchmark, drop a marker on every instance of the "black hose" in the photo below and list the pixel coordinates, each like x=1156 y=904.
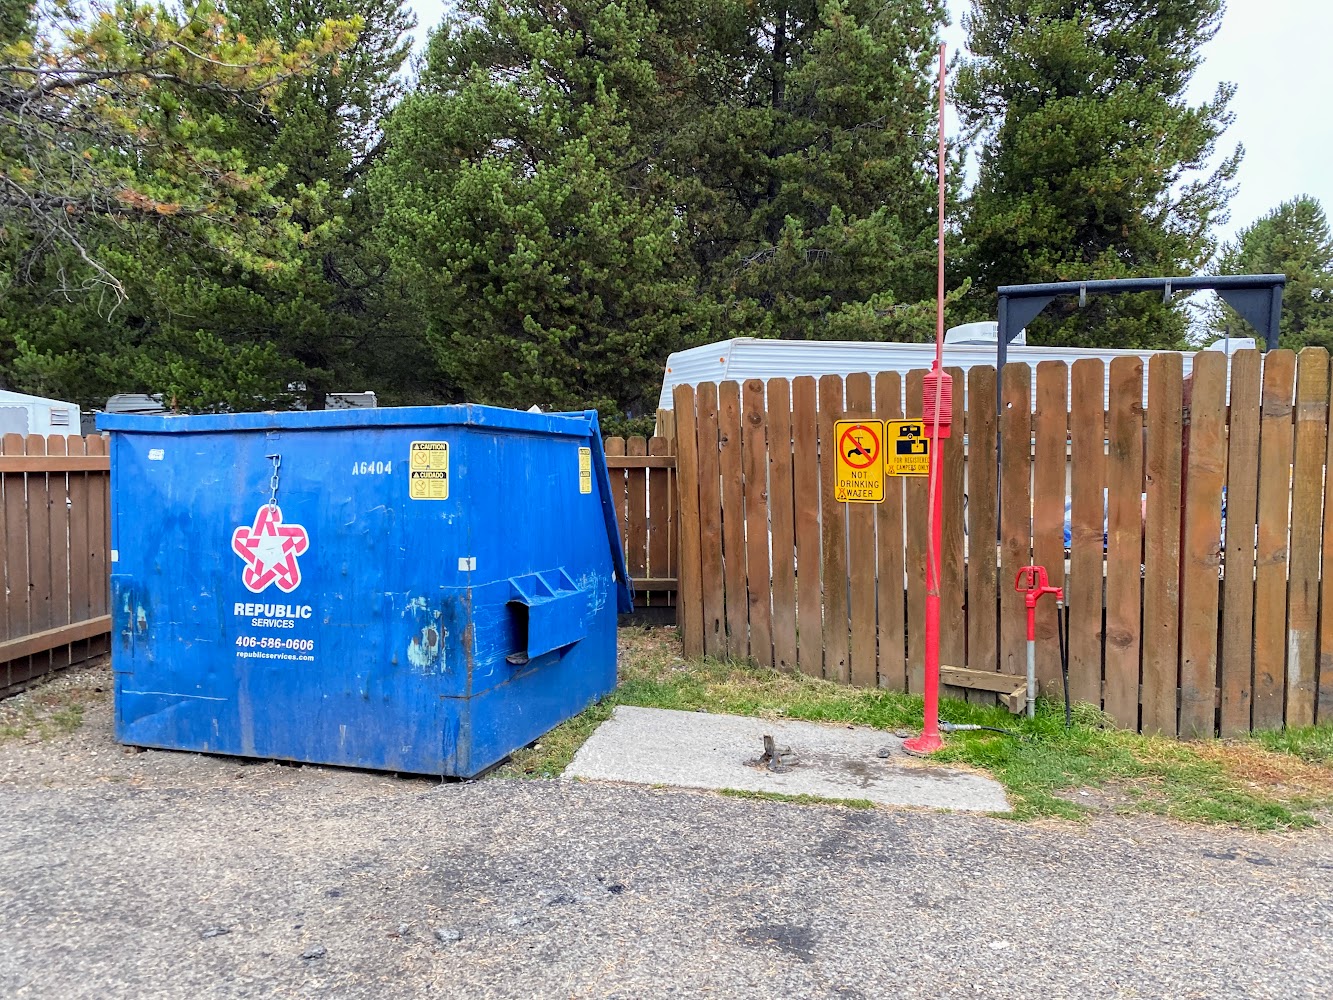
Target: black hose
x=1064 y=657
x=953 y=727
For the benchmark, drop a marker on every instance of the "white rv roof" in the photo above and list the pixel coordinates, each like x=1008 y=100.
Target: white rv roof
x=750 y=357
x=22 y=398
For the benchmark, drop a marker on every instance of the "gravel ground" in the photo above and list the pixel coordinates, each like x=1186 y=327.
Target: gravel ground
x=154 y=874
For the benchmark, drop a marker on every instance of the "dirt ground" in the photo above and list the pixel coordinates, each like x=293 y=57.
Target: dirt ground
x=158 y=874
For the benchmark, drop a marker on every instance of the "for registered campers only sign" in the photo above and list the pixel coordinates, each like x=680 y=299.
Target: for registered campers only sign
x=859 y=476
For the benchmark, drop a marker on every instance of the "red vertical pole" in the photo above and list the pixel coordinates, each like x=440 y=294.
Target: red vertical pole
x=937 y=413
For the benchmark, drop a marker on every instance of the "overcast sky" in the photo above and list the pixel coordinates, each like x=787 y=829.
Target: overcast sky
x=1275 y=51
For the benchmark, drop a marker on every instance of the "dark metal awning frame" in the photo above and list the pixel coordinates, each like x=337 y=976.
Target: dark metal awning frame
x=1257 y=297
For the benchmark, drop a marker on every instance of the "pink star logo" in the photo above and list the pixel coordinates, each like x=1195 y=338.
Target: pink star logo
x=269 y=549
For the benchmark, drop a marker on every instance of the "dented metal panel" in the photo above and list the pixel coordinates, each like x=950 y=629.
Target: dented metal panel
x=285 y=587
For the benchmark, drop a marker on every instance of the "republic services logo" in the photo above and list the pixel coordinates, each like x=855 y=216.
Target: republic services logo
x=269 y=549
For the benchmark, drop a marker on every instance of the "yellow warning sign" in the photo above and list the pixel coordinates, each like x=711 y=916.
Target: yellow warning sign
x=428 y=470
x=859 y=473
x=906 y=448
x=585 y=470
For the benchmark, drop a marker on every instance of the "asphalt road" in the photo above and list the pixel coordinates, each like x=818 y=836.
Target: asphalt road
x=156 y=874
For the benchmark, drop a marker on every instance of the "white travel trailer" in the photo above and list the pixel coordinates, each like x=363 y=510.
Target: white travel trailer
x=24 y=414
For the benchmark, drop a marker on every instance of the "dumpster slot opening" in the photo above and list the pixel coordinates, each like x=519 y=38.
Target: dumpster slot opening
x=550 y=611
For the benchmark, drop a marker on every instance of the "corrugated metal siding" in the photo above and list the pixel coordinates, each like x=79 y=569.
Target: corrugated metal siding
x=748 y=357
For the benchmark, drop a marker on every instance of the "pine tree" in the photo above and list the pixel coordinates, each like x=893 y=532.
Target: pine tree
x=204 y=329
x=1092 y=163
x=518 y=202
x=1293 y=239
x=805 y=152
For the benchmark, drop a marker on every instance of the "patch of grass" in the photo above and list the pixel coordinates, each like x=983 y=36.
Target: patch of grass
x=51 y=708
x=1311 y=743
x=550 y=755
x=800 y=800
x=1268 y=782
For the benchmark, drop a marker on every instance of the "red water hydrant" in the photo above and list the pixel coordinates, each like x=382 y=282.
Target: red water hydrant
x=1033 y=584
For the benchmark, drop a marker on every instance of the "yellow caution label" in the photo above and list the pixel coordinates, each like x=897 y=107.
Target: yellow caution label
x=859 y=472
x=907 y=448
x=428 y=470
x=585 y=470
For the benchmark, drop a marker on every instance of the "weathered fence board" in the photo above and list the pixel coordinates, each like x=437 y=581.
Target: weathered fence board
x=1307 y=489
x=1237 y=644
x=805 y=489
x=1124 y=545
x=861 y=566
x=781 y=501
x=1087 y=528
x=1201 y=544
x=758 y=575
x=1270 y=589
x=735 y=603
x=1049 y=462
x=1015 y=512
x=1161 y=559
x=889 y=541
x=833 y=530
x=983 y=596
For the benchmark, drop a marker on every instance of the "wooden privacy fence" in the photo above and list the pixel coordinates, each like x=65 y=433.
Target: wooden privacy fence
x=54 y=504
x=643 y=486
x=1197 y=529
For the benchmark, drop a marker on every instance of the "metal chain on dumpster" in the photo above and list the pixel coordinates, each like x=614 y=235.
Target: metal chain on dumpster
x=273 y=481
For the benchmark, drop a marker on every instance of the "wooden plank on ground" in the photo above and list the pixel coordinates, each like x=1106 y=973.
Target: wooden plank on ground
x=1124 y=549
x=1201 y=546
x=1087 y=543
x=1015 y=511
x=977 y=680
x=1049 y=466
x=1307 y=489
x=1270 y=587
x=782 y=513
x=833 y=530
x=983 y=510
x=689 y=592
x=729 y=444
x=1237 y=642
x=953 y=584
x=710 y=521
x=892 y=588
x=1161 y=562
x=916 y=532
x=861 y=559
x=805 y=491
x=758 y=573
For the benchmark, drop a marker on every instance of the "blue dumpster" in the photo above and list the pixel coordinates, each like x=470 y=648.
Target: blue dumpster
x=422 y=589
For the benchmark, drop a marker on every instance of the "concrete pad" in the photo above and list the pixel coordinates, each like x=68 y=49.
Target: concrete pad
x=654 y=746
